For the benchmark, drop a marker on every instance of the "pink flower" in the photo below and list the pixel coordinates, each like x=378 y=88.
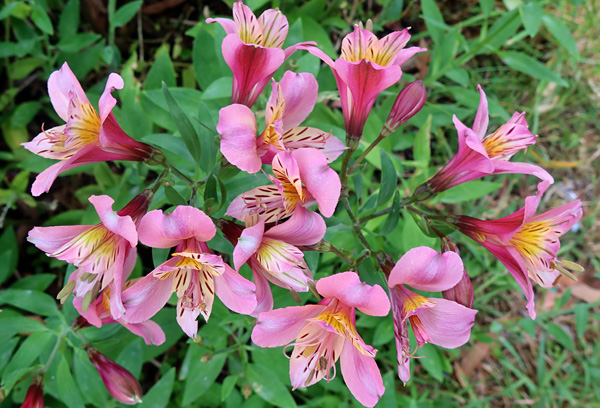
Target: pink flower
x=88 y=136
x=35 y=394
x=367 y=67
x=433 y=320
x=301 y=178
x=326 y=332
x=193 y=272
x=290 y=103
x=119 y=382
x=98 y=313
x=104 y=254
x=525 y=243
x=252 y=49
x=479 y=155
x=273 y=255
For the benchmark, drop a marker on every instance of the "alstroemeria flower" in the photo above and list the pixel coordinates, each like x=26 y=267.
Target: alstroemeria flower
x=119 y=382
x=367 y=66
x=525 y=243
x=273 y=255
x=325 y=332
x=290 y=103
x=301 y=178
x=104 y=254
x=433 y=320
x=480 y=155
x=193 y=272
x=252 y=49
x=98 y=313
x=88 y=136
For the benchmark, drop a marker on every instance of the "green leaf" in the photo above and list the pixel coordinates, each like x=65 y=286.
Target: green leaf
x=228 y=385
x=40 y=282
x=30 y=300
x=206 y=57
x=561 y=336
x=89 y=381
x=12 y=377
x=187 y=131
x=469 y=191
x=174 y=196
x=432 y=361
x=219 y=88
x=40 y=18
x=161 y=71
x=412 y=235
x=24 y=113
x=530 y=66
x=531 y=15
x=581 y=319
x=67 y=389
x=561 y=34
x=313 y=31
x=268 y=386
x=434 y=20
x=159 y=395
x=202 y=375
x=28 y=352
x=68 y=23
x=391 y=222
x=422 y=149
x=77 y=42
x=486 y=6
x=389 y=178
x=125 y=13
x=9 y=253
x=389 y=397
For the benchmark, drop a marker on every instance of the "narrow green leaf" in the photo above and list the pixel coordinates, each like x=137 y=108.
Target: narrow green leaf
x=530 y=66
x=228 y=385
x=12 y=377
x=389 y=178
x=422 y=149
x=486 y=6
x=162 y=70
x=581 y=319
x=159 y=395
x=90 y=384
x=431 y=361
x=40 y=18
x=125 y=13
x=201 y=376
x=433 y=19
x=68 y=23
x=391 y=222
x=531 y=15
x=29 y=351
x=313 y=31
x=39 y=282
x=30 y=300
x=561 y=336
x=206 y=54
x=174 y=196
x=188 y=132
x=561 y=34
x=268 y=386
x=159 y=255
x=9 y=253
x=67 y=389
x=469 y=191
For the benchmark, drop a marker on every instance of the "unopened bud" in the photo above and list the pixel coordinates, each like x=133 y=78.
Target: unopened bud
x=35 y=394
x=462 y=293
x=408 y=103
x=119 y=382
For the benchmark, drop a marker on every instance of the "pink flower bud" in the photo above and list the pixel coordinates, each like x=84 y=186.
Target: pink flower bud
x=408 y=103
x=119 y=382
x=461 y=293
x=35 y=394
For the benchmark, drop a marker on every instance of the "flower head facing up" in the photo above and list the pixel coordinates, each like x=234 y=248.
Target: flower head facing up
x=480 y=155
x=292 y=100
x=88 y=136
x=119 y=382
x=367 y=67
x=300 y=178
x=326 y=332
x=433 y=320
x=527 y=244
x=104 y=254
x=193 y=272
x=253 y=49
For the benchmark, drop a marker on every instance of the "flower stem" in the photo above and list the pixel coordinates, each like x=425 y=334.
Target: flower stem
x=366 y=152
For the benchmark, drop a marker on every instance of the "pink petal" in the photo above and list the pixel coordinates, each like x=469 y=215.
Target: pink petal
x=385 y=51
x=482 y=118
x=248 y=244
x=252 y=67
x=44 y=180
x=312 y=48
x=227 y=24
x=91 y=315
x=237 y=127
x=187 y=318
x=166 y=230
x=62 y=86
x=426 y=269
x=52 y=239
x=148 y=330
x=322 y=182
x=281 y=326
x=147 y=297
x=248 y=29
x=447 y=323
x=357 y=44
x=274 y=26
x=123 y=226
x=506 y=167
x=361 y=375
x=564 y=217
x=235 y=291
x=42 y=145
x=405 y=54
x=348 y=288
x=264 y=296
x=107 y=102
x=265 y=202
x=304 y=227
x=300 y=94
x=120 y=146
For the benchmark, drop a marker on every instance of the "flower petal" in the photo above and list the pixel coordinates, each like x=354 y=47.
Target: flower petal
x=264 y=296
x=107 y=102
x=348 y=288
x=482 y=118
x=52 y=239
x=274 y=26
x=426 y=269
x=447 y=323
x=385 y=50
x=265 y=202
x=248 y=29
x=237 y=127
x=280 y=326
x=304 y=227
x=356 y=45
x=62 y=87
x=361 y=375
x=145 y=298
x=300 y=92
x=322 y=182
x=235 y=291
x=122 y=226
x=150 y=331
x=248 y=244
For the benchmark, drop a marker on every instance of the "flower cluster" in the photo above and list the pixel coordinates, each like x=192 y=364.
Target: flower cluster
x=272 y=226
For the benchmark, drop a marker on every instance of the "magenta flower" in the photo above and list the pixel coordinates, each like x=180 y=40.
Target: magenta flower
x=273 y=255
x=88 y=136
x=104 y=254
x=479 y=155
x=290 y=103
x=326 y=332
x=367 y=66
x=301 y=178
x=193 y=272
x=525 y=243
x=35 y=394
x=119 y=382
x=252 y=49
x=98 y=313
x=433 y=320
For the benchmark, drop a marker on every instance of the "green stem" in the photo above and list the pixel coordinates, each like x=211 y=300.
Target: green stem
x=366 y=152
